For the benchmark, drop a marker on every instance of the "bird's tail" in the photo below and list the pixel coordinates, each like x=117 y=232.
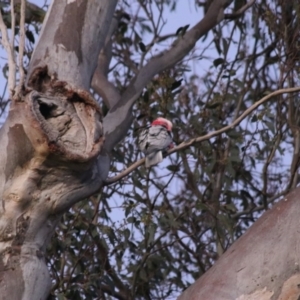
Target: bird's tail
x=153 y=159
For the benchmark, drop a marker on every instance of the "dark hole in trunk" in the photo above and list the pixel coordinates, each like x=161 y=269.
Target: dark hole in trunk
x=47 y=110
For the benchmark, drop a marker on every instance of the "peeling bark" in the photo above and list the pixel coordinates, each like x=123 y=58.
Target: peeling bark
x=50 y=144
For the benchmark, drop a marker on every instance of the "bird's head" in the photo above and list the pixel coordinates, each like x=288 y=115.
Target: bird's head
x=163 y=122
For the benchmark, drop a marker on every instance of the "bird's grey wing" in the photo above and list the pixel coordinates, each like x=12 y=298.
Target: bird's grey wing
x=158 y=139
x=143 y=140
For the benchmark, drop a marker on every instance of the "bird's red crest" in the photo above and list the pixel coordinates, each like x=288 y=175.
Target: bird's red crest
x=163 y=122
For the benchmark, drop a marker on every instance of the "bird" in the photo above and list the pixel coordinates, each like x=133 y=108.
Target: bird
x=154 y=140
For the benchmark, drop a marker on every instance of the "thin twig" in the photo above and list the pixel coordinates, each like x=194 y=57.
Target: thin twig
x=239 y=12
x=21 y=49
x=13 y=23
x=208 y=136
x=11 y=57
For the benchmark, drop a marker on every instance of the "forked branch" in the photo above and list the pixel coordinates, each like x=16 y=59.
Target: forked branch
x=9 y=48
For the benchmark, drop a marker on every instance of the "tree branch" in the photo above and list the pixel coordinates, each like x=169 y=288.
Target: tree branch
x=191 y=142
x=239 y=12
x=11 y=56
x=100 y=83
x=21 y=48
x=103 y=87
x=13 y=23
x=119 y=118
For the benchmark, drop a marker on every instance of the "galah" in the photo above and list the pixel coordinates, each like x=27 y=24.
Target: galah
x=154 y=140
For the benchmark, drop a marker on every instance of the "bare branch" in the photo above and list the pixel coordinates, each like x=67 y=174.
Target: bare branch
x=239 y=12
x=125 y=172
x=236 y=122
x=100 y=83
x=208 y=136
x=103 y=87
x=21 y=48
x=11 y=56
x=13 y=23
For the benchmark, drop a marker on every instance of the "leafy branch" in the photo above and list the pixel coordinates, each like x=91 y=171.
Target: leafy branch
x=208 y=136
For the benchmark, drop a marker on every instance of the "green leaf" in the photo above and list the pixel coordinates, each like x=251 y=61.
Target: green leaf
x=176 y=84
x=201 y=206
x=146 y=97
x=151 y=233
x=213 y=105
x=131 y=219
x=146 y=28
x=94 y=232
x=143 y=275
x=226 y=221
x=111 y=234
x=128 y=210
x=225 y=45
x=254 y=119
x=270 y=125
x=126 y=234
x=109 y=282
x=218 y=61
x=142 y=47
x=173 y=168
x=233 y=134
x=60 y=296
x=30 y=36
x=5 y=71
x=79 y=277
x=231 y=207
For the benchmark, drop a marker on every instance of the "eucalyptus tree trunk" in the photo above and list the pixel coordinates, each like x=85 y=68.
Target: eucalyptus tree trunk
x=50 y=143
x=263 y=264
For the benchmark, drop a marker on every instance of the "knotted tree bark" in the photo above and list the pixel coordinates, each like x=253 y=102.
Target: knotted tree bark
x=50 y=143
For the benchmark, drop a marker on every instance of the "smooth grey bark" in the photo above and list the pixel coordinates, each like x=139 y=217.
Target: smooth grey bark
x=71 y=39
x=263 y=264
